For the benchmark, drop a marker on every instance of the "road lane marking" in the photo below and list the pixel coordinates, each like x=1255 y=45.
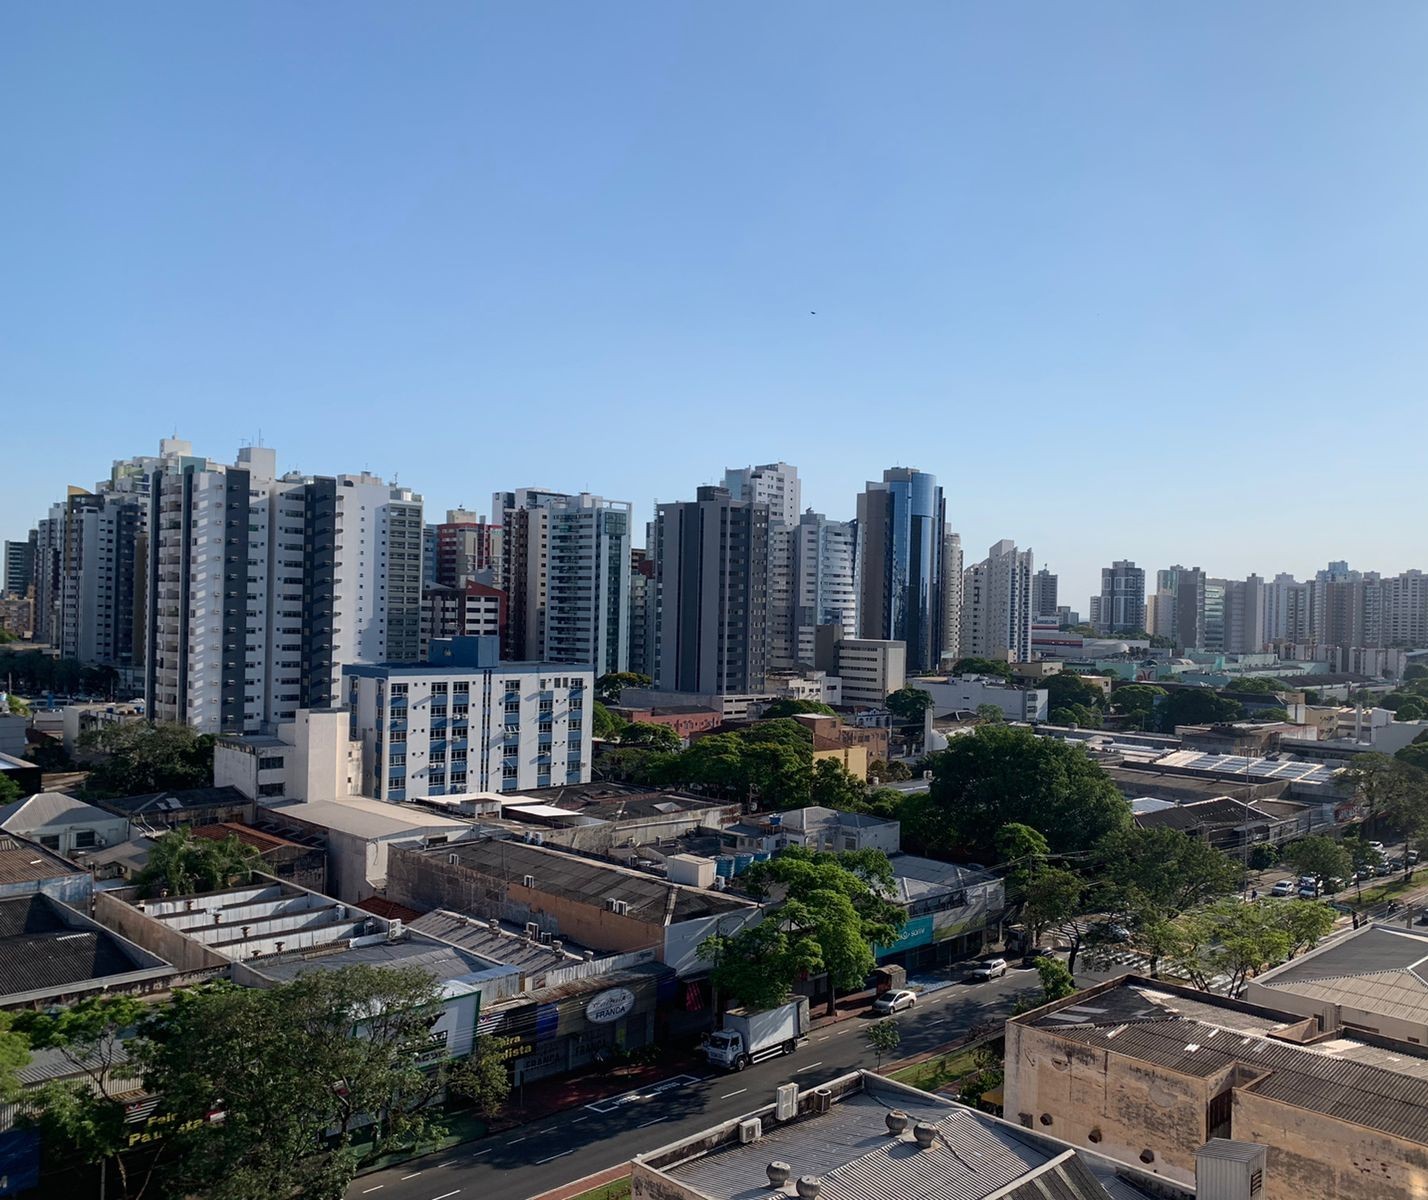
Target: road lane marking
x=378 y=1188
x=656 y=1121
x=810 y=1066
x=446 y=1195
x=447 y=1163
x=479 y=1153
x=731 y=1095
x=611 y=1103
x=540 y=1162
x=578 y=1120
x=522 y=1138
x=413 y=1175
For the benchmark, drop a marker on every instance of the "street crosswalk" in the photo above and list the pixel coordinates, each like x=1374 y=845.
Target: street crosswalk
x=1112 y=959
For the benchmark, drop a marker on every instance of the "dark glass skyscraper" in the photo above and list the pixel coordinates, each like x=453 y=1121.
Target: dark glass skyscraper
x=900 y=527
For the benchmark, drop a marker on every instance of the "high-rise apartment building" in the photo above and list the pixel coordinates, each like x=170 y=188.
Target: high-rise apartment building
x=467 y=722
x=20 y=566
x=1402 y=610
x=901 y=525
x=587 y=587
x=467 y=547
x=823 y=591
x=952 y=574
x=261 y=588
x=711 y=559
x=472 y=610
x=774 y=484
x=642 y=613
x=1043 y=595
x=1188 y=587
x=1244 y=615
x=525 y=545
x=996 y=604
x=1122 y=606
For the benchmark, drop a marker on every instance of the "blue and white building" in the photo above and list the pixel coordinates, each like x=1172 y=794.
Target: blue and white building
x=467 y=722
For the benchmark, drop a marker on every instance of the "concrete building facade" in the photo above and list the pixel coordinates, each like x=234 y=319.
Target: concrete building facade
x=996 y=604
x=902 y=523
x=1122 y=606
x=468 y=722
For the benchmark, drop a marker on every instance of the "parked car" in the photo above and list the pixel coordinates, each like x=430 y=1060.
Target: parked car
x=1284 y=887
x=989 y=968
x=1412 y=857
x=892 y=1002
x=1364 y=873
x=1333 y=884
x=1382 y=869
x=1376 y=846
x=1308 y=891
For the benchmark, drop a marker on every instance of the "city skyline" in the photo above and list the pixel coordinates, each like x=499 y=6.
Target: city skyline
x=1078 y=579
x=1032 y=254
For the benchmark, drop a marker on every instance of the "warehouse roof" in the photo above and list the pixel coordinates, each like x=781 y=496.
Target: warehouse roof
x=23 y=861
x=587 y=881
x=49 y=810
x=471 y=933
x=1377 y=969
x=1379 y=1084
x=850 y=1150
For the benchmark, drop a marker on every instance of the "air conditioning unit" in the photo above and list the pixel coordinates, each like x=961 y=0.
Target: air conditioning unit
x=618 y=907
x=532 y=930
x=528 y=881
x=545 y=937
x=453 y=859
x=786 y=1101
x=750 y=1130
x=822 y=1100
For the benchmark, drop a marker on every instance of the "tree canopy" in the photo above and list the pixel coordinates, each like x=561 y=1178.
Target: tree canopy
x=788 y=707
x=648 y=733
x=1196 y=706
x=982 y=666
x=1065 y=689
x=829 y=912
x=908 y=704
x=142 y=758
x=180 y=864
x=609 y=686
x=997 y=775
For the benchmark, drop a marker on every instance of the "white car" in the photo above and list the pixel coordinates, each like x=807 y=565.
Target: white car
x=1283 y=888
x=891 y=1002
x=990 y=968
x=1378 y=846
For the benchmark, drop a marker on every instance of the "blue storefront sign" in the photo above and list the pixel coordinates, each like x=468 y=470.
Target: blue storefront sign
x=917 y=932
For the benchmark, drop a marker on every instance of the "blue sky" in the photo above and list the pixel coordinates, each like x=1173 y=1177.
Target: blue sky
x=1134 y=280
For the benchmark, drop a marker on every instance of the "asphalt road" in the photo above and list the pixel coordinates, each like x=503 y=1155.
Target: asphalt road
x=570 y=1145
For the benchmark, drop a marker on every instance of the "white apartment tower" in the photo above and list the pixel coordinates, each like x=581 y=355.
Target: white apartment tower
x=774 y=484
x=951 y=596
x=824 y=587
x=587 y=609
x=996 y=604
x=261 y=588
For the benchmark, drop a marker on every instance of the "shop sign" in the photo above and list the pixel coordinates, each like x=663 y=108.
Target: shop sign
x=610 y=1005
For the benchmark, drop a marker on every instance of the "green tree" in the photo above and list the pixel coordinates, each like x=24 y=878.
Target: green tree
x=1259 y=685
x=1232 y=941
x=1021 y=852
x=757 y=966
x=909 y=704
x=1391 y=791
x=180 y=864
x=998 y=774
x=983 y=666
x=1162 y=872
x=1269 y=714
x=14 y=1054
x=604 y=723
x=609 y=686
x=1137 y=701
x=1196 y=706
x=790 y=708
x=1412 y=709
x=834 y=787
x=884 y=1037
x=1415 y=754
x=1052 y=897
x=839 y=900
x=82 y=1119
x=990 y=712
x=142 y=758
x=9 y=791
x=481 y=1078
x=894 y=771
x=1057 y=982
x=298 y=1069
x=1065 y=689
x=1076 y=714
x=647 y=733
x=1319 y=856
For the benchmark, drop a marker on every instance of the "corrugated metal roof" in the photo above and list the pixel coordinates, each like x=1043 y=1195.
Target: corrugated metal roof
x=850 y=1148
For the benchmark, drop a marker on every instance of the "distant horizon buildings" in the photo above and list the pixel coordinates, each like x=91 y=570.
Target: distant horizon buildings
x=996 y=604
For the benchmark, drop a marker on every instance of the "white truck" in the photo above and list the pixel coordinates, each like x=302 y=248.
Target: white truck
x=750 y=1036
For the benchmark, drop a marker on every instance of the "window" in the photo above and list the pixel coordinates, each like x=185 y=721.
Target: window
x=272 y=762
x=50 y=841
x=84 y=838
